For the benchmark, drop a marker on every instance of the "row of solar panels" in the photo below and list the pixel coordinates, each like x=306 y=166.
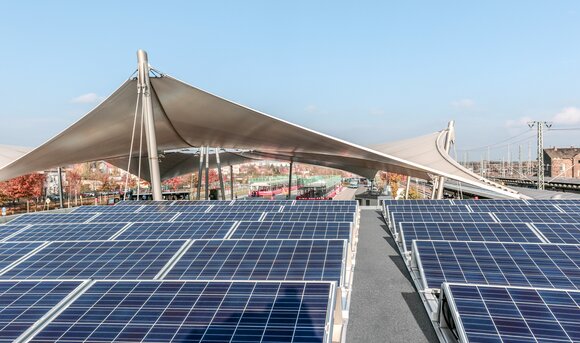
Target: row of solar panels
x=114 y=217
x=69 y=278
x=482 y=202
x=165 y=311
x=473 y=272
x=214 y=208
x=176 y=230
x=240 y=202
x=483 y=208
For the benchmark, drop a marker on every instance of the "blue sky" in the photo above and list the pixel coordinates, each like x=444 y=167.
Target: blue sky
x=368 y=72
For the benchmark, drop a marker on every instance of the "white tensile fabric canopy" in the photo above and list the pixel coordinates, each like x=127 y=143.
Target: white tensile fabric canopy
x=187 y=117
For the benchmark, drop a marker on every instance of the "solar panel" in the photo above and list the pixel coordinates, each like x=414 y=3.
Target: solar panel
x=189 y=311
x=320 y=209
x=12 y=252
x=555 y=201
x=175 y=208
x=107 y=209
x=242 y=202
x=514 y=208
x=177 y=230
x=67 y=232
x=560 y=233
x=489 y=202
x=143 y=202
x=514 y=314
x=8 y=230
x=387 y=202
x=426 y=208
x=246 y=208
x=134 y=217
x=443 y=217
x=540 y=217
x=23 y=303
x=497 y=232
x=301 y=202
x=220 y=216
x=45 y=218
x=288 y=260
x=200 y=202
x=292 y=230
x=96 y=259
x=497 y=263
x=570 y=208
x=310 y=217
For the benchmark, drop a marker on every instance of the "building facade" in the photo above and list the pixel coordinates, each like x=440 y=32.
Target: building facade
x=562 y=162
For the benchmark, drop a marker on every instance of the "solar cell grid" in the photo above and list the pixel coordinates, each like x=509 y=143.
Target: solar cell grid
x=22 y=303
x=292 y=230
x=8 y=230
x=246 y=208
x=449 y=217
x=489 y=202
x=320 y=209
x=555 y=201
x=200 y=202
x=570 y=208
x=67 y=232
x=174 y=208
x=143 y=202
x=173 y=311
x=11 y=252
x=96 y=259
x=560 y=233
x=514 y=208
x=308 y=216
x=498 y=232
x=219 y=216
x=288 y=260
x=539 y=217
x=107 y=209
x=45 y=218
x=513 y=314
x=133 y=217
x=177 y=230
x=387 y=202
x=497 y=263
x=426 y=208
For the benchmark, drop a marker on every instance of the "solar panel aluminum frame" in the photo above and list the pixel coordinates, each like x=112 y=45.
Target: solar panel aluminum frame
x=24 y=257
x=333 y=313
x=5 y=239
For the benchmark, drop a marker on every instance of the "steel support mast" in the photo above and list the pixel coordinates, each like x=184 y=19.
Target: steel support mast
x=540 y=129
x=144 y=87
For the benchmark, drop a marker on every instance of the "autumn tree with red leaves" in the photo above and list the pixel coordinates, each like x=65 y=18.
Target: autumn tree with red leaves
x=25 y=186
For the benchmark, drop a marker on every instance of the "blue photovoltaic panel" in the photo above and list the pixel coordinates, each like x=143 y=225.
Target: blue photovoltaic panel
x=11 y=252
x=246 y=208
x=143 y=202
x=560 y=233
x=489 y=202
x=177 y=230
x=426 y=208
x=514 y=208
x=173 y=208
x=540 y=217
x=495 y=232
x=7 y=230
x=514 y=314
x=55 y=218
x=262 y=202
x=220 y=216
x=496 y=263
x=325 y=202
x=310 y=217
x=133 y=217
x=107 y=209
x=292 y=230
x=388 y=202
x=189 y=311
x=320 y=209
x=570 y=208
x=572 y=202
x=199 y=202
x=96 y=260
x=289 y=260
x=23 y=303
x=67 y=232
x=449 y=217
